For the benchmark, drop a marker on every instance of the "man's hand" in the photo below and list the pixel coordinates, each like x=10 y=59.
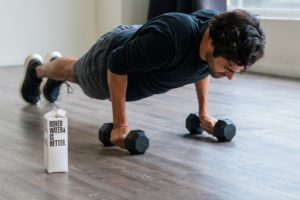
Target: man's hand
x=207 y=123
x=118 y=135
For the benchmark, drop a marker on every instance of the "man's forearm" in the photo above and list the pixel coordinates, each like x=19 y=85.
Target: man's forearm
x=117 y=88
x=202 y=93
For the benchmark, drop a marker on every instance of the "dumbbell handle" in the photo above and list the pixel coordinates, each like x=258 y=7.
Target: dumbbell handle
x=106 y=140
x=141 y=142
x=224 y=129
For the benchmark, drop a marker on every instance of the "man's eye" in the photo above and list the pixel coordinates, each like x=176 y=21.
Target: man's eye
x=228 y=69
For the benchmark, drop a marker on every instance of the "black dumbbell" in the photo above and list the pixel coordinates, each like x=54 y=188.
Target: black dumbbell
x=224 y=130
x=136 y=142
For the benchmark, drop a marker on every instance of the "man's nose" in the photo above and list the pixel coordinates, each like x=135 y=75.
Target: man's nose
x=229 y=75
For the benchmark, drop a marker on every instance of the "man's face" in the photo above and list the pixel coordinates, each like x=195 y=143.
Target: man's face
x=219 y=67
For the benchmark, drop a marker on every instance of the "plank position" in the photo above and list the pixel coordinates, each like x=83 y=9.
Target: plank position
x=134 y=62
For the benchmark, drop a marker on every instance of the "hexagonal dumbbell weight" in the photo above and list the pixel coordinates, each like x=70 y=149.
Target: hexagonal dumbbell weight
x=224 y=130
x=136 y=142
x=192 y=124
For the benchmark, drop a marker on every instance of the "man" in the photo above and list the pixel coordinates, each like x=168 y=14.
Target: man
x=133 y=62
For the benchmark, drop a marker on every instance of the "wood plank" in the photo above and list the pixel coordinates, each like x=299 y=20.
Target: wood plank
x=262 y=162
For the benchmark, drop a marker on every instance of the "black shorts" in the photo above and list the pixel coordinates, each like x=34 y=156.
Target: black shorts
x=91 y=69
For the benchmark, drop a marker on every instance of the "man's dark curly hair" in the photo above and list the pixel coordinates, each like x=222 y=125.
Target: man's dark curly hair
x=238 y=37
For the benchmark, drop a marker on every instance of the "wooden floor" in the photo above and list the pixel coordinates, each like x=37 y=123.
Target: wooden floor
x=261 y=163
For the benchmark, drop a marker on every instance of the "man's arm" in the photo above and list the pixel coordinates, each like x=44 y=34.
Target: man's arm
x=206 y=120
x=146 y=52
x=202 y=92
x=117 y=88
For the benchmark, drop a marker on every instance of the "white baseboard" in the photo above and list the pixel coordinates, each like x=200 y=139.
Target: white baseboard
x=290 y=71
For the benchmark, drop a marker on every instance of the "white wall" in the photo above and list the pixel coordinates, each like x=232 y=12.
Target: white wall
x=134 y=11
x=41 y=25
x=112 y=13
x=108 y=15
x=72 y=26
x=282 y=49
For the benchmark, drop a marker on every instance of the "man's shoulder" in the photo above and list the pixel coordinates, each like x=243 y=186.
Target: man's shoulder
x=203 y=16
x=168 y=23
x=172 y=17
x=206 y=13
x=174 y=23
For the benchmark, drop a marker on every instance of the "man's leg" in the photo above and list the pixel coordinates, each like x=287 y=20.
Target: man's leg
x=57 y=71
x=60 y=69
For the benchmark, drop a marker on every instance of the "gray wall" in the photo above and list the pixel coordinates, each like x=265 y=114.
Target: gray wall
x=72 y=26
x=282 y=50
x=134 y=11
x=41 y=25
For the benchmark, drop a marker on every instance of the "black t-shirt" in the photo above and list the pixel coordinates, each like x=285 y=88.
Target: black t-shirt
x=161 y=55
